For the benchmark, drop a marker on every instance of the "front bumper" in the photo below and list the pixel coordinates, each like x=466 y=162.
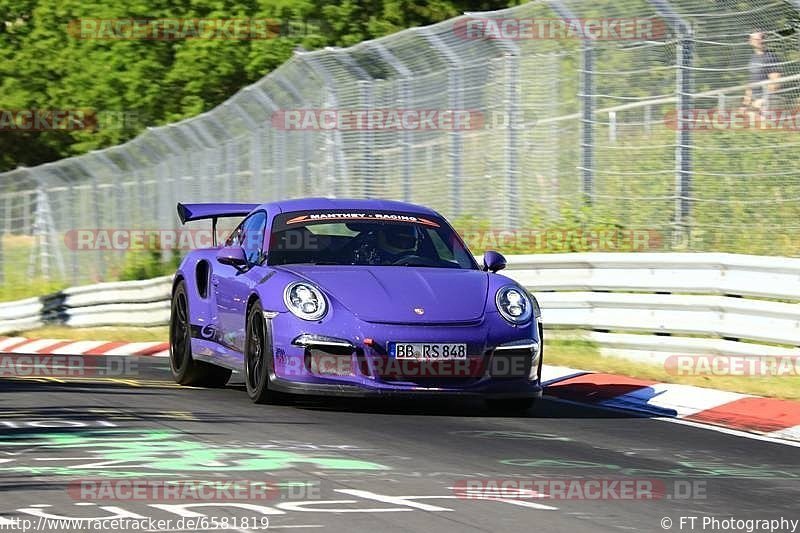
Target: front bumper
x=362 y=367
x=372 y=391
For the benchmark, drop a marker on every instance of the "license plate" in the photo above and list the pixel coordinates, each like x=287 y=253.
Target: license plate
x=427 y=351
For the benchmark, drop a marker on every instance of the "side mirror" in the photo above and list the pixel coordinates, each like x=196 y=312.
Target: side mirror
x=232 y=256
x=493 y=261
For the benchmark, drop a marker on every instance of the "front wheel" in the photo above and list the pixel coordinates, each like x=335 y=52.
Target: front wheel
x=256 y=352
x=185 y=370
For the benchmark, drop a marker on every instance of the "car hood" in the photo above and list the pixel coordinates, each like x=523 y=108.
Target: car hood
x=391 y=294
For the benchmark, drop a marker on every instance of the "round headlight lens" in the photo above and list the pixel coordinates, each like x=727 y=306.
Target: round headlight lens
x=514 y=304
x=305 y=301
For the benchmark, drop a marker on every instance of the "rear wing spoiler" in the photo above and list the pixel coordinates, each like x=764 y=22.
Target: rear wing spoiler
x=189 y=212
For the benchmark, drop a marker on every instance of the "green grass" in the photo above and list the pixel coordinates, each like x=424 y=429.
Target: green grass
x=129 y=334
x=586 y=356
x=17 y=283
x=23 y=279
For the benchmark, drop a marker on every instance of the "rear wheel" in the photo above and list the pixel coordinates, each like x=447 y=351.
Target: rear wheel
x=185 y=370
x=511 y=405
x=256 y=352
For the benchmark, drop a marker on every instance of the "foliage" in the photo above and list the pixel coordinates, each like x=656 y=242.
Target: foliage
x=132 y=84
x=148 y=263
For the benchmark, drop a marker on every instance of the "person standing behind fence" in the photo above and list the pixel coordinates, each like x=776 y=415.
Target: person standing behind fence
x=764 y=65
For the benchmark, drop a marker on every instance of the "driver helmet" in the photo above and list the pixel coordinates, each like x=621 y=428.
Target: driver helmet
x=397 y=239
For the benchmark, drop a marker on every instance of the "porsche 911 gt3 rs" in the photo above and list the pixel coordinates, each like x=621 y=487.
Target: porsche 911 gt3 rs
x=351 y=298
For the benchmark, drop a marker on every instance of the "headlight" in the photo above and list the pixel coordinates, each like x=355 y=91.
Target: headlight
x=514 y=304
x=305 y=301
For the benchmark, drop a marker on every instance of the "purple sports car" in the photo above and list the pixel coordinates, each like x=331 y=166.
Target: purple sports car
x=351 y=298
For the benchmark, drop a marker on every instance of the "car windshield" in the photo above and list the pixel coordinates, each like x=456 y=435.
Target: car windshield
x=375 y=238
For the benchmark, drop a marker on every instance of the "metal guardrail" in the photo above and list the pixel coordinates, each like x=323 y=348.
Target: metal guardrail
x=643 y=306
x=126 y=303
x=650 y=306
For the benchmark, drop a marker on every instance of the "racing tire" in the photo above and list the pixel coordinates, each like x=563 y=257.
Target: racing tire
x=257 y=348
x=510 y=405
x=185 y=370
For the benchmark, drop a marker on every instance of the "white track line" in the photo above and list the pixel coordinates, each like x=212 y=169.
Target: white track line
x=718 y=429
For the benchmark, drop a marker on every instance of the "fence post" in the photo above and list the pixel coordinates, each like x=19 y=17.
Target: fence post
x=118 y=200
x=365 y=139
x=683 y=151
x=683 y=154
x=587 y=121
x=200 y=129
x=278 y=145
x=586 y=96
x=305 y=169
x=512 y=141
x=3 y=230
x=175 y=185
x=454 y=94
x=256 y=164
x=97 y=204
x=339 y=162
x=405 y=99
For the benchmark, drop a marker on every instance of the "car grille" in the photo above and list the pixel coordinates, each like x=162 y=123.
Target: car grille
x=510 y=364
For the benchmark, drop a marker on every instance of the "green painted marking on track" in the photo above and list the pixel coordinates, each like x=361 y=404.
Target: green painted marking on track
x=131 y=453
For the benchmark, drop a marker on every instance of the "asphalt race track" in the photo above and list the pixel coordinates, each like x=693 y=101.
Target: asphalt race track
x=370 y=466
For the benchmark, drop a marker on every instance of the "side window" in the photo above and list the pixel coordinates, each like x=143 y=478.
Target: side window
x=252 y=237
x=445 y=253
x=235 y=237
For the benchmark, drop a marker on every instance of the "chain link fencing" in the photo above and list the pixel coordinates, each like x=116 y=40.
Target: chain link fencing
x=567 y=136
